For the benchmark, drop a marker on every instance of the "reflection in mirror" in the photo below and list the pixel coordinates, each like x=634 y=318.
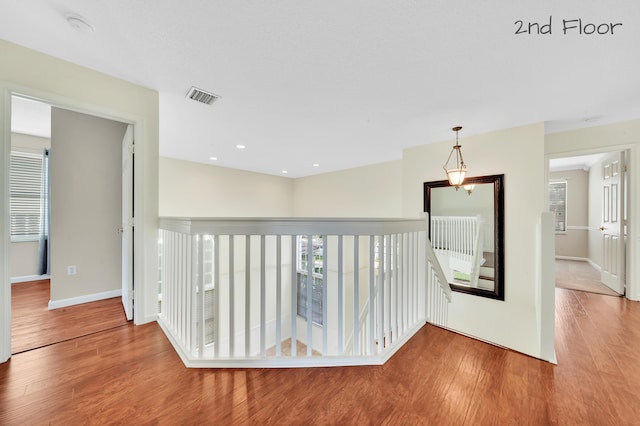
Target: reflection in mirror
x=466 y=230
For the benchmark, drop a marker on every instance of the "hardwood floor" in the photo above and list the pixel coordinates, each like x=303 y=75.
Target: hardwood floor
x=131 y=375
x=285 y=348
x=33 y=325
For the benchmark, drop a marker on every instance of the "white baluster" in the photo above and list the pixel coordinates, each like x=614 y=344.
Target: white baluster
x=279 y=296
x=247 y=296
x=263 y=297
x=340 y=298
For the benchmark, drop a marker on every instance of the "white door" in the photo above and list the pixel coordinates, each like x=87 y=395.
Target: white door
x=612 y=222
x=127 y=222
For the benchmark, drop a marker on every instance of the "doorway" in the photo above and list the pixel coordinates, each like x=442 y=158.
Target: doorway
x=89 y=261
x=587 y=194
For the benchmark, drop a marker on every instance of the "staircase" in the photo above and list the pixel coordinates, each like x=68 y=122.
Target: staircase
x=487 y=276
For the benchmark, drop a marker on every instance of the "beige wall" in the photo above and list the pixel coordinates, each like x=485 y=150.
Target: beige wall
x=24 y=259
x=517 y=153
x=86 y=204
x=369 y=191
x=24 y=254
x=594 y=139
x=29 y=143
x=573 y=243
x=194 y=189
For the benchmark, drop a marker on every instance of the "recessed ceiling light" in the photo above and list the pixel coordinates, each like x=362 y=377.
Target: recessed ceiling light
x=213 y=158
x=316 y=165
x=284 y=172
x=240 y=146
x=79 y=23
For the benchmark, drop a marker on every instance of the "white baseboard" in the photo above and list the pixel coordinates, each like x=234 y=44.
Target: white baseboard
x=63 y=303
x=581 y=259
x=595 y=266
x=27 y=278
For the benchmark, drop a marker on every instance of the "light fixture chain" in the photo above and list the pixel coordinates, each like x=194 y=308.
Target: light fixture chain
x=456 y=174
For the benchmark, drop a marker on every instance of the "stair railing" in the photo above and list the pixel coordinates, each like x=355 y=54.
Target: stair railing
x=378 y=290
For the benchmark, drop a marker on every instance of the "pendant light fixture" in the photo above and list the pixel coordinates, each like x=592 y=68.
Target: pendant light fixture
x=456 y=171
x=469 y=188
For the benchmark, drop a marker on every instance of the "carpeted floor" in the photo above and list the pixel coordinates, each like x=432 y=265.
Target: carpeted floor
x=578 y=275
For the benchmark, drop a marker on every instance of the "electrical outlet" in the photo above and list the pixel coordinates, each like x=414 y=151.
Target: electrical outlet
x=71 y=270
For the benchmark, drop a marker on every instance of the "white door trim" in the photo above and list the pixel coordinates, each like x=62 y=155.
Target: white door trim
x=127 y=225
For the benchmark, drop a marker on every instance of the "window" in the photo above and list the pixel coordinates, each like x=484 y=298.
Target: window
x=25 y=196
x=382 y=247
x=207 y=246
x=558 y=204
x=209 y=285
x=317 y=274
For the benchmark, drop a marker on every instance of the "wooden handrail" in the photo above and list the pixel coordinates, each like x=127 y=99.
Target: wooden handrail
x=289 y=226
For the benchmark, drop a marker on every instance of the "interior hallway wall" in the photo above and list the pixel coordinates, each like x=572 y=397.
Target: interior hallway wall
x=368 y=191
x=189 y=189
x=518 y=153
x=86 y=204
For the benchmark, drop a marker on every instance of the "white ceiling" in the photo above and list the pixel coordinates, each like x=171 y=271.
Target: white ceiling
x=30 y=117
x=346 y=83
x=581 y=162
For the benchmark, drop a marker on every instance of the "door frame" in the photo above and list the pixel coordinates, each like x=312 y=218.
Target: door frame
x=7 y=90
x=633 y=214
x=127 y=216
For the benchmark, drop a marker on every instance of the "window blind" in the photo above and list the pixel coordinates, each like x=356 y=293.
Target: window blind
x=25 y=195
x=558 y=204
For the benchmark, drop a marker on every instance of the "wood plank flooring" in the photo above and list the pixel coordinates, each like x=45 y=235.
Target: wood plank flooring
x=131 y=375
x=33 y=325
x=285 y=349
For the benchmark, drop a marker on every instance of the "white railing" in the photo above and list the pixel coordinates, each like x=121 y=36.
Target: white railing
x=380 y=285
x=458 y=242
x=438 y=291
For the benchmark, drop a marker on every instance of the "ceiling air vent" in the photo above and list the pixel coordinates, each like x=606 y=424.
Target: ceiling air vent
x=201 y=96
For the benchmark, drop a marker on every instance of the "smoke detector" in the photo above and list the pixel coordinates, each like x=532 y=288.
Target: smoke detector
x=202 y=96
x=79 y=23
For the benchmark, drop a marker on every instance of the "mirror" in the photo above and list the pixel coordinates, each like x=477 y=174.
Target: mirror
x=466 y=230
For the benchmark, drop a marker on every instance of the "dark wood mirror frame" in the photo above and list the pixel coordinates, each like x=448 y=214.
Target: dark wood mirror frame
x=498 y=209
